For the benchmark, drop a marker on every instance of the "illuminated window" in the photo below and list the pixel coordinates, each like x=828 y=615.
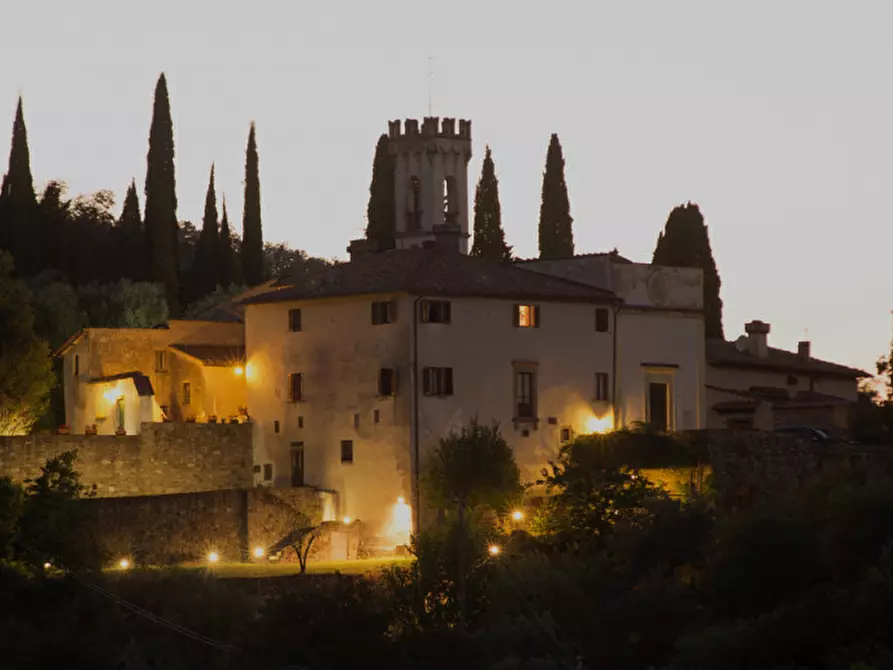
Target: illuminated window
x=601 y=386
x=160 y=361
x=435 y=311
x=187 y=393
x=601 y=320
x=437 y=381
x=527 y=316
x=383 y=311
x=294 y=320
x=296 y=387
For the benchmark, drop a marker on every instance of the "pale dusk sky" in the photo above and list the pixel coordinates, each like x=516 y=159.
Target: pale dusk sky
x=775 y=117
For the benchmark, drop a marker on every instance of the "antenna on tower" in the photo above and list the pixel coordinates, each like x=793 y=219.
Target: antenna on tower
x=430 y=76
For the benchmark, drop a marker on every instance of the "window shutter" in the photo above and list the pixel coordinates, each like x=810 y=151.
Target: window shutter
x=536 y=316
x=374 y=313
x=447 y=315
x=516 y=315
x=426 y=381
x=448 y=381
x=394 y=381
x=425 y=311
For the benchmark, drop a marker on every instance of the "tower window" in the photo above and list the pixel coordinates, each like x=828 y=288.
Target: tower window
x=414 y=204
x=450 y=200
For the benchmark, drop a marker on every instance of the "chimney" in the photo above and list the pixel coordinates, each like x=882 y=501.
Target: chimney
x=757 y=332
x=803 y=349
x=448 y=237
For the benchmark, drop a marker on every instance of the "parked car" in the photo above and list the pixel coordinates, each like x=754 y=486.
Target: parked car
x=814 y=434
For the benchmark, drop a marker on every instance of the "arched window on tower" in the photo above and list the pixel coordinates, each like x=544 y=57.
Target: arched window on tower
x=450 y=201
x=414 y=204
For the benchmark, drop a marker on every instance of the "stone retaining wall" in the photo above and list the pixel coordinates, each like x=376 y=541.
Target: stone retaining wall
x=164 y=458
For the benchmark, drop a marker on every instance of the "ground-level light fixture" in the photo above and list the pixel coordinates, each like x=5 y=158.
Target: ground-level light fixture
x=517 y=515
x=259 y=552
x=47 y=566
x=601 y=425
x=494 y=549
x=401 y=500
x=346 y=520
x=239 y=371
x=213 y=557
x=124 y=564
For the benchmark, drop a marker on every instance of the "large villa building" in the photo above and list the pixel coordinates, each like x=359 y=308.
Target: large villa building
x=351 y=374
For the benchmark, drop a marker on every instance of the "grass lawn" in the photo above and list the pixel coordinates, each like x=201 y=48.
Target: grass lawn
x=263 y=569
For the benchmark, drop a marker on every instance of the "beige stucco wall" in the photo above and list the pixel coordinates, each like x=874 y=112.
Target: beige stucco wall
x=340 y=354
x=642 y=284
x=224 y=392
x=109 y=351
x=673 y=344
x=481 y=345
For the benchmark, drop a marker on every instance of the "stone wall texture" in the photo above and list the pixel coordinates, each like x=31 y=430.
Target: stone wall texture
x=164 y=458
x=186 y=527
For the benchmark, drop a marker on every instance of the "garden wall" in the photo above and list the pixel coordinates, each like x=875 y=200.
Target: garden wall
x=164 y=458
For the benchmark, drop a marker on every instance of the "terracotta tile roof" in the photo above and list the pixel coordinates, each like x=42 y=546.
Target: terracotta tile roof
x=213 y=355
x=613 y=254
x=142 y=383
x=726 y=354
x=432 y=272
x=778 y=397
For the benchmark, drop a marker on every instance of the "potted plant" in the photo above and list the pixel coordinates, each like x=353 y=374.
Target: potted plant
x=190 y=419
x=64 y=430
x=120 y=431
x=92 y=429
x=212 y=419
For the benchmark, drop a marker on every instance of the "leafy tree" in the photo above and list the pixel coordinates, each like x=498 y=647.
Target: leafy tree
x=130 y=237
x=18 y=205
x=685 y=243
x=218 y=296
x=161 y=196
x=206 y=273
x=381 y=212
x=125 y=304
x=58 y=314
x=252 y=243
x=26 y=374
x=489 y=237
x=555 y=229
x=472 y=467
x=226 y=262
x=55 y=226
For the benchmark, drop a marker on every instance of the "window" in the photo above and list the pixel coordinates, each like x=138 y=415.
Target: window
x=160 y=361
x=276 y=427
x=347 y=451
x=435 y=311
x=376 y=417
x=296 y=387
x=383 y=311
x=601 y=320
x=356 y=420
x=601 y=386
x=300 y=422
x=792 y=380
x=565 y=435
x=187 y=393
x=268 y=472
x=387 y=382
x=659 y=405
x=437 y=381
x=297 y=463
x=526 y=316
x=525 y=394
x=450 y=201
x=294 y=320
x=414 y=204
x=77 y=365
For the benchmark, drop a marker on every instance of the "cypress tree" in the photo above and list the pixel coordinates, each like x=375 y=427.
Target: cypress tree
x=381 y=212
x=206 y=273
x=252 y=235
x=131 y=236
x=161 y=197
x=556 y=237
x=685 y=243
x=225 y=258
x=18 y=205
x=489 y=238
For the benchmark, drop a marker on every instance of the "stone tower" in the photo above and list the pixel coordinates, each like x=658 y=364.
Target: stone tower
x=431 y=181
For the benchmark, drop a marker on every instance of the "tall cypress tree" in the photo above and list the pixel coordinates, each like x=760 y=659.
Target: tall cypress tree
x=206 y=273
x=161 y=197
x=252 y=235
x=556 y=237
x=131 y=236
x=225 y=258
x=685 y=243
x=489 y=238
x=19 y=221
x=381 y=212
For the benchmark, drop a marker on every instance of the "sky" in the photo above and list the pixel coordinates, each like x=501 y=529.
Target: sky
x=776 y=117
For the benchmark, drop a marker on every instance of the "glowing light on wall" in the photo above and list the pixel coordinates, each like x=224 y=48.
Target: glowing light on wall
x=213 y=557
x=259 y=552
x=399 y=525
x=604 y=424
x=346 y=520
x=124 y=564
x=238 y=371
x=517 y=515
x=494 y=550
x=112 y=394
